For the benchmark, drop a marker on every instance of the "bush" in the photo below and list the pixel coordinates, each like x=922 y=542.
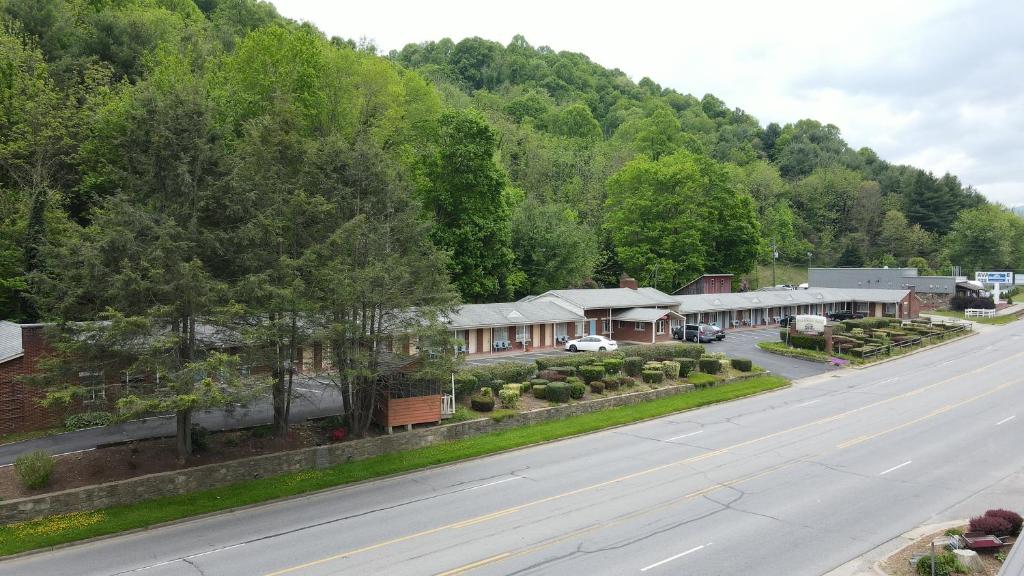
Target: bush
x=627 y=381
x=652 y=376
x=664 y=351
x=540 y=391
x=742 y=364
x=558 y=392
x=961 y=303
x=1013 y=518
x=597 y=386
x=486 y=392
x=633 y=365
x=591 y=373
x=686 y=365
x=576 y=360
x=200 y=438
x=507 y=371
x=710 y=365
x=517 y=388
x=701 y=380
x=612 y=365
x=539 y=382
x=495 y=386
x=525 y=386
x=565 y=371
x=991 y=525
x=551 y=376
x=807 y=342
x=34 y=469
x=577 y=389
x=671 y=369
x=88 y=420
x=945 y=564
x=465 y=384
x=611 y=383
x=509 y=398
x=481 y=402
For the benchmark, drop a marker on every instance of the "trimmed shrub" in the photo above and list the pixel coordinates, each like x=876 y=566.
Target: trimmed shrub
x=710 y=365
x=701 y=380
x=652 y=365
x=576 y=360
x=717 y=355
x=509 y=398
x=496 y=386
x=807 y=342
x=551 y=376
x=486 y=392
x=627 y=381
x=632 y=365
x=664 y=351
x=591 y=373
x=517 y=388
x=1013 y=518
x=539 y=382
x=572 y=379
x=991 y=525
x=577 y=389
x=481 y=402
x=540 y=391
x=558 y=392
x=34 y=469
x=507 y=371
x=88 y=420
x=597 y=387
x=671 y=369
x=612 y=365
x=465 y=384
x=686 y=365
x=611 y=383
x=653 y=376
x=565 y=371
x=524 y=387
x=742 y=364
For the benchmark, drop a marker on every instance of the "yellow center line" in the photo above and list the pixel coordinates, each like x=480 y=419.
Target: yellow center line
x=638 y=474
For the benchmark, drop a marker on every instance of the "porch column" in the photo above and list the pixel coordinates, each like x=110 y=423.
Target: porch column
x=654 y=327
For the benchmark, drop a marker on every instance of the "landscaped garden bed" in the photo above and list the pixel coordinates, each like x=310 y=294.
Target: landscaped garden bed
x=915 y=558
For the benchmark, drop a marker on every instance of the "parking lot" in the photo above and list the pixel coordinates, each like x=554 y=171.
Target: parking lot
x=737 y=344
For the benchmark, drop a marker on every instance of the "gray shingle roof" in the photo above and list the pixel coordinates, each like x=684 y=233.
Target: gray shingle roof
x=10 y=341
x=776 y=298
x=510 y=313
x=643 y=314
x=611 y=297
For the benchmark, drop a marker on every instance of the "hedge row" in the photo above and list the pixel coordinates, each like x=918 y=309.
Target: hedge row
x=664 y=351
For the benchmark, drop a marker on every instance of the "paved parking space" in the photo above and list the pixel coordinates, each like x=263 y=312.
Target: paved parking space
x=737 y=344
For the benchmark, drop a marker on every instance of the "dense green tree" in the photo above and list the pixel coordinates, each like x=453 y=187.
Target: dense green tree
x=552 y=248
x=985 y=238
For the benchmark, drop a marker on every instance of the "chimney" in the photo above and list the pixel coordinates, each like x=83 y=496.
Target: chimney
x=626 y=282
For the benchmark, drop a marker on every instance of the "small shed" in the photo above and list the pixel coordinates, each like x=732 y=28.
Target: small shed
x=408 y=398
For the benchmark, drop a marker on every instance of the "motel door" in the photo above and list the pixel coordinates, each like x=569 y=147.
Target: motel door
x=593 y=327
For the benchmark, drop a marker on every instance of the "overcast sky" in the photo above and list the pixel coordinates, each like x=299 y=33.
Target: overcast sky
x=938 y=84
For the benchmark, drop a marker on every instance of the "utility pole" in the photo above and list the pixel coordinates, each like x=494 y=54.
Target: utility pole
x=775 y=256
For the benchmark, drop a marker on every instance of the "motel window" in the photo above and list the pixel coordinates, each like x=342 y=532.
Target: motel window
x=605 y=328
x=501 y=334
x=638 y=326
x=94 y=390
x=579 y=329
x=863 y=307
x=561 y=329
x=890 y=308
x=660 y=327
x=522 y=334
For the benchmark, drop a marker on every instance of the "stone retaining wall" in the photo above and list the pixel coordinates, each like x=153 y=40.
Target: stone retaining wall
x=188 y=480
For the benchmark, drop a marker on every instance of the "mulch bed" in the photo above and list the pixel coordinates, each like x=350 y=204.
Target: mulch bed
x=899 y=563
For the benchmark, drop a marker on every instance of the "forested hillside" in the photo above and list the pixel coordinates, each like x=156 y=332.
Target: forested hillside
x=198 y=156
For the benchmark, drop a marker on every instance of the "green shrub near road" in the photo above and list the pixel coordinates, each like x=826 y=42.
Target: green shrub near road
x=465 y=384
x=34 y=469
x=742 y=364
x=945 y=565
x=612 y=365
x=653 y=376
x=710 y=365
x=539 y=382
x=632 y=365
x=611 y=383
x=558 y=392
x=591 y=373
x=88 y=420
x=540 y=391
x=509 y=398
x=577 y=389
x=597 y=386
x=482 y=401
x=686 y=365
x=671 y=369
x=57 y=530
x=664 y=351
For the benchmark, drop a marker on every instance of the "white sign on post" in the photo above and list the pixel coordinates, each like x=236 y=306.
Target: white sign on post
x=994 y=277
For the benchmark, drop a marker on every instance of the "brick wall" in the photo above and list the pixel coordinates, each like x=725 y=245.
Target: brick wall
x=214 y=475
x=20 y=410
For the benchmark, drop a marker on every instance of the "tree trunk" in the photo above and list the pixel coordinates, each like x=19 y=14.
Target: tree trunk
x=280 y=400
x=184 y=435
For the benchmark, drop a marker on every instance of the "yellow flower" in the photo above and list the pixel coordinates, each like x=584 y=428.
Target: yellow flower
x=56 y=524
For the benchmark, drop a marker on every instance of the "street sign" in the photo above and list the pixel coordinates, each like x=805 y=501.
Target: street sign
x=994 y=277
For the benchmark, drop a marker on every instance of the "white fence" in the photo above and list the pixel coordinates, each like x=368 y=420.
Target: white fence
x=979 y=313
x=447 y=405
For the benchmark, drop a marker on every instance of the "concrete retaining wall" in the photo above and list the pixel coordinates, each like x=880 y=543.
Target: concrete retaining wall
x=188 y=480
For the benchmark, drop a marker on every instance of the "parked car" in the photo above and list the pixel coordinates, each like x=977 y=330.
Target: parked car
x=785 y=320
x=591 y=344
x=837 y=315
x=698 y=333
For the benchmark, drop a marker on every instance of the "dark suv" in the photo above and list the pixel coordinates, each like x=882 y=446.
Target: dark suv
x=698 y=333
x=838 y=315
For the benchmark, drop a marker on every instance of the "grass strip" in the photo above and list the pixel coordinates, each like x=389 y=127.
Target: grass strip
x=64 y=528
x=996 y=320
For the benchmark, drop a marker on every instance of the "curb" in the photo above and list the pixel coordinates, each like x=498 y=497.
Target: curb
x=275 y=501
x=889 y=548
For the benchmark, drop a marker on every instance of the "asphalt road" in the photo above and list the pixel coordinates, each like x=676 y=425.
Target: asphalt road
x=311 y=398
x=737 y=344
x=794 y=482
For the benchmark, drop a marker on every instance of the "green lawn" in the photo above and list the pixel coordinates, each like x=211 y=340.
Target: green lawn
x=998 y=320
x=784 y=274
x=65 y=528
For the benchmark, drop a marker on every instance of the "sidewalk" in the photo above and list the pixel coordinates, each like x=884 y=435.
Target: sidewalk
x=313 y=399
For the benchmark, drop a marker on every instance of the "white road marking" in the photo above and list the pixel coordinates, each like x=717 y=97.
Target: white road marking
x=493 y=483
x=1005 y=420
x=684 y=436
x=676 y=557
x=947 y=362
x=895 y=468
x=887 y=380
x=807 y=403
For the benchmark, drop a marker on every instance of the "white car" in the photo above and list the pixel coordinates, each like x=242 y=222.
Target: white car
x=591 y=344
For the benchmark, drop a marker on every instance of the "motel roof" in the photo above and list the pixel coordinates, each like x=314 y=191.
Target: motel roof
x=595 y=298
x=10 y=341
x=510 y=313
x=643 y=314
x=777 y=298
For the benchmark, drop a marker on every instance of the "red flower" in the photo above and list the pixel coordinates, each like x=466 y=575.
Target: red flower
x=338 y=434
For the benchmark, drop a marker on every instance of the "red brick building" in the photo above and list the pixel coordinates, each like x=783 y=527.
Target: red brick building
x=21 y=347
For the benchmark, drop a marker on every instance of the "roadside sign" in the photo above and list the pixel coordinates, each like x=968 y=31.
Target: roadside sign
x=994 y=277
